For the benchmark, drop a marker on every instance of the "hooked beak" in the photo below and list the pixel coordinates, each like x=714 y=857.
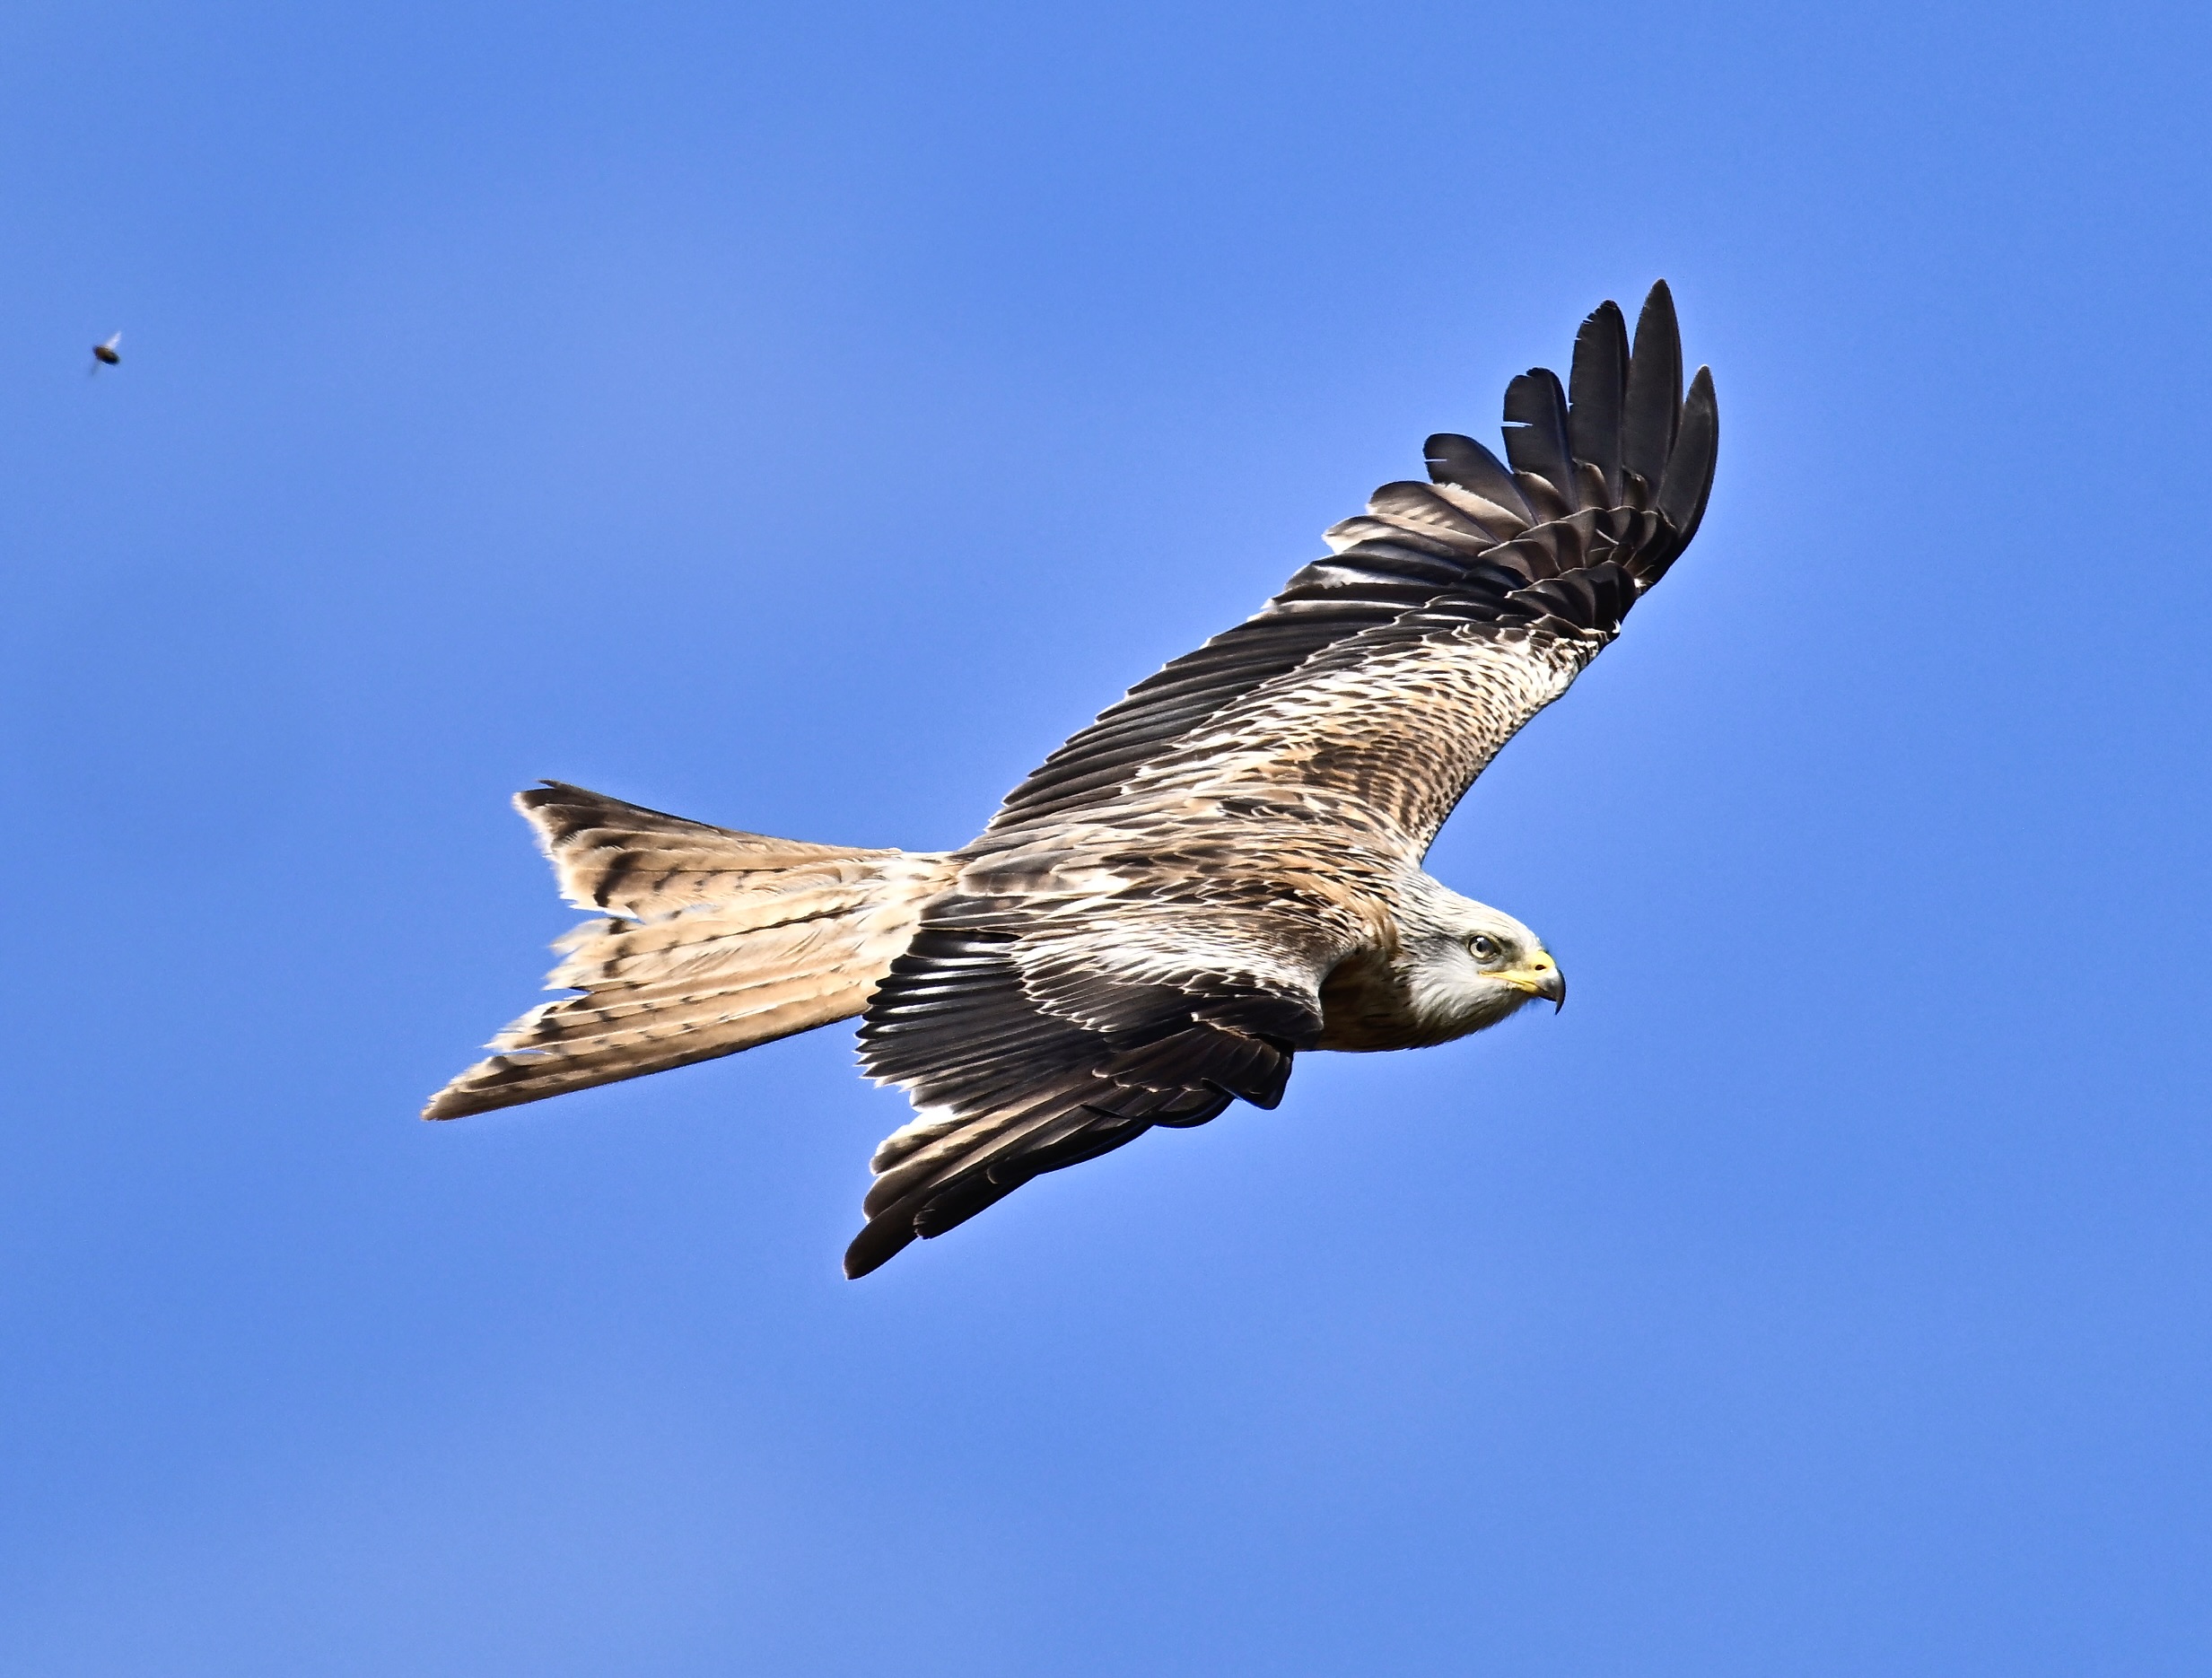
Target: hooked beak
x=1542 y=977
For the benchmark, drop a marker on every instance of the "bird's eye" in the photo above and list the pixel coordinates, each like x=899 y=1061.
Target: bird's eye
x=1483 y=947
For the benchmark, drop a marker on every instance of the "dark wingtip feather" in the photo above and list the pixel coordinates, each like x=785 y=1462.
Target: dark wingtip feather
x=1465 y=463
x=883 y=1240
x=1596 y=385
x=1536 y=428
x=1651 y=412
x=1688 y=478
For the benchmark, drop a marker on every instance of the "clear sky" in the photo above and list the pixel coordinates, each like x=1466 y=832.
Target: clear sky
x=802 y=417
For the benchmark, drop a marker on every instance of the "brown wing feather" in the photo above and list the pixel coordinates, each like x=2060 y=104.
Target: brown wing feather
x=1034 y=1034
x=1402 y=718
x=1618 y=475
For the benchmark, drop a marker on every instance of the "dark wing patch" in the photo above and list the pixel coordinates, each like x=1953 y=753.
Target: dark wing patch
x=1627 y=442
x=1017 y=1071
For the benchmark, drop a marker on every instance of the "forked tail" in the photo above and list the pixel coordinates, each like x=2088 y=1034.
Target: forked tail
x=714 y=941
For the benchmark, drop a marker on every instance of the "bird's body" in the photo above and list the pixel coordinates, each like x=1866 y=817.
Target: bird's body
x=1221 y=873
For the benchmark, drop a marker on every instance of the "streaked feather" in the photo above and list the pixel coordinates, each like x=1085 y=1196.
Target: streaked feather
x=721 y=940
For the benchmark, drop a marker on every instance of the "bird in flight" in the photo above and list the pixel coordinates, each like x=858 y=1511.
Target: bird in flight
x=1220 y=874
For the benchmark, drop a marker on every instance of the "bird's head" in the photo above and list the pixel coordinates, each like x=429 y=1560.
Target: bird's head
x=1464 y=964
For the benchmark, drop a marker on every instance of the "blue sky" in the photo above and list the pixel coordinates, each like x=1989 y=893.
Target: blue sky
x=801 y=418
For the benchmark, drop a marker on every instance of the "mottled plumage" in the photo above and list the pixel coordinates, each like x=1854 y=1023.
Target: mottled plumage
x=1220 y=873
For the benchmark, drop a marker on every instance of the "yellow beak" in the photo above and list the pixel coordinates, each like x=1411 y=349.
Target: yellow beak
x=1542 y=977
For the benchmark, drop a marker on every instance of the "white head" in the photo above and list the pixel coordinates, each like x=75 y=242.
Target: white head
x=1463 y=964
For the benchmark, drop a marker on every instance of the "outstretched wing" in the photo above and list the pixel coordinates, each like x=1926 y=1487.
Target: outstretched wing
x=1033 y=1037
x=1128 y=985
x=1500 y=581
x=1402 y=716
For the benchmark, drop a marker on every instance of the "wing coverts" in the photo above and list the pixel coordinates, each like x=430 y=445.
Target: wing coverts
x=1648 y=449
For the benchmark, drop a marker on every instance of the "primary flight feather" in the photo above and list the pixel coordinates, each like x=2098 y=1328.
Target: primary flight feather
x=1220 y=873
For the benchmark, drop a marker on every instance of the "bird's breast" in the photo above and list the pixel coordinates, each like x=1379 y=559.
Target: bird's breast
x=1365 y=1007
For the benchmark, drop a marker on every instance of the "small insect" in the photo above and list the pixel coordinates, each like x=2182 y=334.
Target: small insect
x=109 y=354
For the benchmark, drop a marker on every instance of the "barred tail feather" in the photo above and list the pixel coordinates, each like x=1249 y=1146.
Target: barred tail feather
x=717 y=940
